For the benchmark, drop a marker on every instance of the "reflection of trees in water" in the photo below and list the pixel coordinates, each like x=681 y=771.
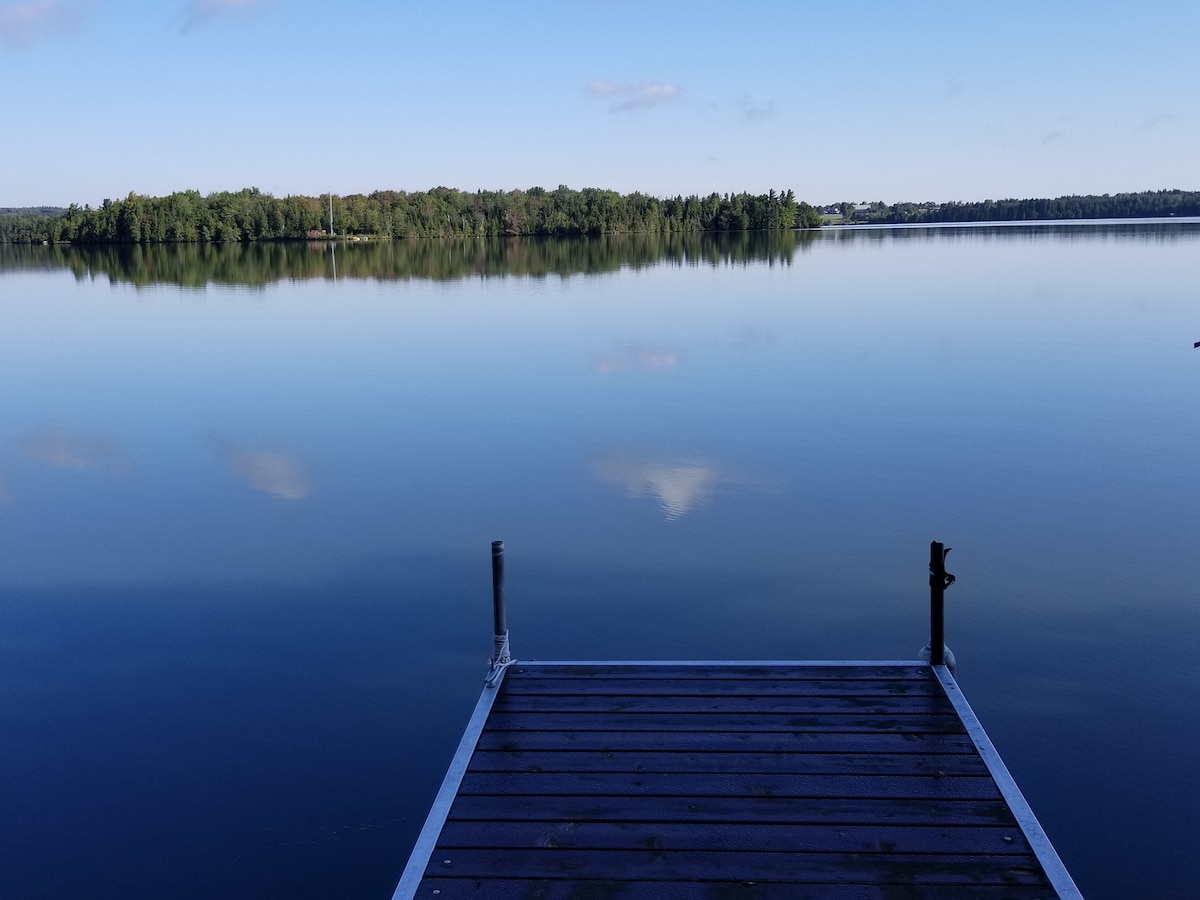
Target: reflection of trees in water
x=265 y=262
x=447 y=259
x=1074 y=230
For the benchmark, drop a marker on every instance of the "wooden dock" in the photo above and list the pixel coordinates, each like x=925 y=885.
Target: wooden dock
x=718 y=779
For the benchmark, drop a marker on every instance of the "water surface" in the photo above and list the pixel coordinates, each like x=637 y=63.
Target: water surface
x=245 y=509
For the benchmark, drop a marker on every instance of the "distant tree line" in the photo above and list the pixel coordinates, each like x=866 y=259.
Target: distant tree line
x=1146 y=204
x=31 y=210
x=251 y=215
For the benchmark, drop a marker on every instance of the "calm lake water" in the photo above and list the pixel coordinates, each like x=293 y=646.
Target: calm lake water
x=245 y=510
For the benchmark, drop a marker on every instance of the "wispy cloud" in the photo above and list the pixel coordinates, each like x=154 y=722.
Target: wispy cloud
x=23 y=23
x=623 y=97
x=269 y=471
x=1053 y=137
x=52 y=446
x=200 y=12
x=751 y=110
x=1157 y=121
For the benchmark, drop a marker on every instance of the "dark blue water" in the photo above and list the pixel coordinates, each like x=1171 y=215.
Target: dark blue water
x=244 y=525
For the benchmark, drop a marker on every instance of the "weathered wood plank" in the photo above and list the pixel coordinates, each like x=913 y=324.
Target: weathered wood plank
x=711 y=782
x=721 y=742
x=777 y=722
x=601 y=705
x=729 y=763
x=916 y=672
x=639 y=787
x=795 y=687
x=792 y=810
x=788 y=868
x=740 y=836
x=548 y=889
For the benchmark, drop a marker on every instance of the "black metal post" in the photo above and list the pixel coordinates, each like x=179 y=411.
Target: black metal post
x=498 y=612
x=937 y=616
x=501 y=655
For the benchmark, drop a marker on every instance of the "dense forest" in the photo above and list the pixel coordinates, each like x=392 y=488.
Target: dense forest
x=1146 y=204
x=251 y=215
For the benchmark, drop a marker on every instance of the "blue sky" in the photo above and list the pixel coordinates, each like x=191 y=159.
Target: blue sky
x=838 y=101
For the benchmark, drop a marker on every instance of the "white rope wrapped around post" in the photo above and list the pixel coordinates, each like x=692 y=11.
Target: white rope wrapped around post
x=501 y=658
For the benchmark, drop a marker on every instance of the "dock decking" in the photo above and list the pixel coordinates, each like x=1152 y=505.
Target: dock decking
x=729 y=780
x=723 y=780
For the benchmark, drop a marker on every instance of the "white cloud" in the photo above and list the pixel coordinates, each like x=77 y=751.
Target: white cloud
x=750 y=110
x=602 y=88
x=1158 y=120
x=23 y=23
x=630 y=97
x=198 y=12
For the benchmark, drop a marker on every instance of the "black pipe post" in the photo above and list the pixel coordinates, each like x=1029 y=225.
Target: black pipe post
x=499 y=615
x=501 y=655
x=937 y=612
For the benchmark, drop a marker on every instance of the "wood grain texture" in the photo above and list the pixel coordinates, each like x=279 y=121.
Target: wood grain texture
x=585 y=889
x=780 y=762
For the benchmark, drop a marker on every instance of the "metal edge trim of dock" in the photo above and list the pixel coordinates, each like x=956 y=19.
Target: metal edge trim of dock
x=719 y=663
x=418 y=860
x=1039 y=842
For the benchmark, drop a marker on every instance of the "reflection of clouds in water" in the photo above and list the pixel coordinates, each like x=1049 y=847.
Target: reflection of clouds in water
x=751 y=336
x=681 y=486
x=55 y=447
x=272 y=473
x=637 y=357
